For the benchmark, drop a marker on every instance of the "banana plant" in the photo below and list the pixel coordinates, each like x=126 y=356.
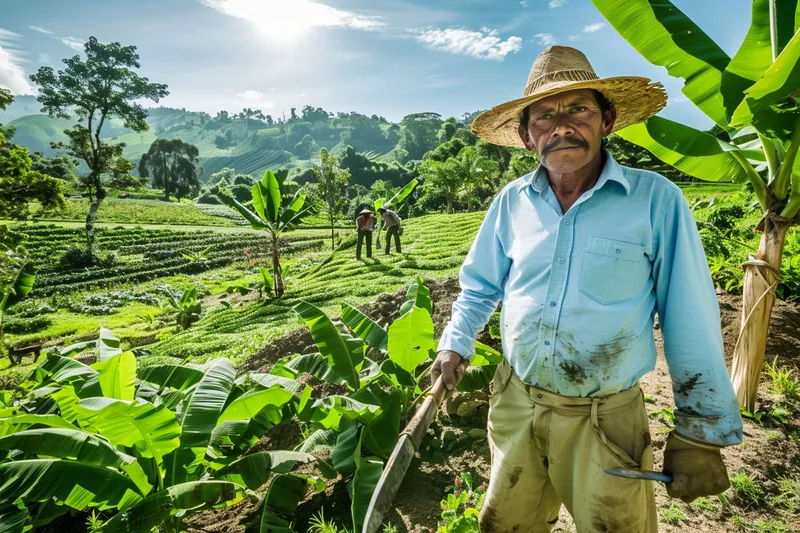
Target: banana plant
x=18 y=289
x=149 y=445
x=753 y=98
x=188 y=307
x=393 y=200
x=273 y=214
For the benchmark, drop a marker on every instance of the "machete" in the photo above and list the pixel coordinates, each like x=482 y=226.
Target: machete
x=407 y=445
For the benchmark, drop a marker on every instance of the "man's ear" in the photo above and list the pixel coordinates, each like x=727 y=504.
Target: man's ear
x=609 y=119
x=526 y=138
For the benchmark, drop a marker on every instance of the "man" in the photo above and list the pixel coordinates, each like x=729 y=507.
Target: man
x=583 y=252
x=365 y=224
x=391 y=223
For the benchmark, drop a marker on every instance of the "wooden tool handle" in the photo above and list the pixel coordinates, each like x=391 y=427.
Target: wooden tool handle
x=418 y=425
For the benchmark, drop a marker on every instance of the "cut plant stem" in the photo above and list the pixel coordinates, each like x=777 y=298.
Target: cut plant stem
x=785 y=173
x=759 y=187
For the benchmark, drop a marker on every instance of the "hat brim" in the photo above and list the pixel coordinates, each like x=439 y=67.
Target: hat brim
x=635 y=99
x=365 y=212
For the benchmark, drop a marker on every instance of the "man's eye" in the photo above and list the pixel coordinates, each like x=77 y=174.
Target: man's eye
x=579 y=109
x=545 y=116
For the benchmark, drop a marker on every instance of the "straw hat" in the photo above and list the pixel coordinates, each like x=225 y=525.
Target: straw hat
x=366 y=212
x=559 y=69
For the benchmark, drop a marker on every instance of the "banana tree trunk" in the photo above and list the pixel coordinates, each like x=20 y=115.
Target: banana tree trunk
x=758 y=298
x=276 y=267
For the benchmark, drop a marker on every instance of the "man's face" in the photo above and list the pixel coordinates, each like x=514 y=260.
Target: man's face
x=566 y=130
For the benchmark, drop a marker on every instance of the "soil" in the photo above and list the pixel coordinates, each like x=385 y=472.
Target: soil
x=768 y=454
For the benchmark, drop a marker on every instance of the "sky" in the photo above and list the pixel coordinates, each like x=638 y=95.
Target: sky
x=384 y=57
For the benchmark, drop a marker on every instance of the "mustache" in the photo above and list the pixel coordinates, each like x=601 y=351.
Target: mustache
x=564 y=142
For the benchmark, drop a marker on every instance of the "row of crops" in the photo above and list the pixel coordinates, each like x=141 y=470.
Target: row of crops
x=149 y=445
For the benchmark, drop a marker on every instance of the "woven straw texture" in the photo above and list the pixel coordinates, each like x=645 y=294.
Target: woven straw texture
x=559 y=69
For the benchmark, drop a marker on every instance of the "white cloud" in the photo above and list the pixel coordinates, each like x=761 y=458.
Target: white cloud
x=524 y=3
x=597 y=26
x=557 y=3
x=286 y=21
x=574 y=37
x=484 y=44
x=41 y=30
x=72 y=42
x=250 y=95
x=546 y=39
x=12 y=75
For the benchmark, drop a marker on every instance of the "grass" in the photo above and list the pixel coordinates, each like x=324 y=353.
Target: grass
x=747 y=489
x=703 y=504
x=782 y=381
x=673 y=514
x=788 y=496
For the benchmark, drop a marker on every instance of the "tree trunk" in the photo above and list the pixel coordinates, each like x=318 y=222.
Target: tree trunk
x=91 y=219
x=276 y=267
x=332 y=245
x=449 y=204
x=757 y=301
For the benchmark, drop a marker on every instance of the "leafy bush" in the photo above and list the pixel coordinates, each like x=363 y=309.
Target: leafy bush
x=30 y=308
x=208 y=198
x=110 y=302
x=22 y=326
x=77 y=258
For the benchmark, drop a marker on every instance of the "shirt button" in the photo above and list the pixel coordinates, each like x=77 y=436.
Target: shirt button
x=539 y=396
x=618 y=251
x=553 y=303
x=560 y=259
x=566 y=222
x=547 y=343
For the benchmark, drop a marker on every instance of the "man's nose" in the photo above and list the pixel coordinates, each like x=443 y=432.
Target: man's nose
x=562 y=125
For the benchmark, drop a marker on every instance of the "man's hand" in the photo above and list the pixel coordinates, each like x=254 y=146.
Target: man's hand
x=697 y=469
x=447 y=365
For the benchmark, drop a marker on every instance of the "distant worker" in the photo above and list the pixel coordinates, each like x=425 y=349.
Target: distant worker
x=391 y=223
x=365 y=224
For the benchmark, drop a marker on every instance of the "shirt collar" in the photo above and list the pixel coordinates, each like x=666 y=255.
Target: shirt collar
x=538 y=179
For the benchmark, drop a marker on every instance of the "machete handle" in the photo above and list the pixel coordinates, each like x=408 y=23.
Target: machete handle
x=418 y=425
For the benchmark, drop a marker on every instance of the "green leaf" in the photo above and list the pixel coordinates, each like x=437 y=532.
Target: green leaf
x=751 y=60
x=284 y=495
x=66 y=444
x=321 y=439
x=476 y=378
x=63 y=370
x=76 y=484
x=343 y=455
x=410 y=338
x=22 y=285
x=107 y=345
x=294 y=206
x=485 y=355
x=249 y=405
x=117 y=376
x=345 y=354
x=177 y=377
x=692 y=151
x=666 y=37
x=255 y=221
x=14 y=518
x=776 y=90
x=380 y=435
x=156 y=508
x=76 y=348
x=401 y=195
x=266 y=381
x=255 y=469
x=316 y=365
x=365 y=328
x=206 y=404
x=418 y=295
x=368 y=473
x=26 y=421
x=267 y=197
x=267 y=280
x=330 y=409
x=152 y=431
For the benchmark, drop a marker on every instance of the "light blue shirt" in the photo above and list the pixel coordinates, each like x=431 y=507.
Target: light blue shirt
x=580 y=291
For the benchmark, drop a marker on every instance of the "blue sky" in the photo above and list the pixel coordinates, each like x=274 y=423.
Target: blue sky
x=388 y=57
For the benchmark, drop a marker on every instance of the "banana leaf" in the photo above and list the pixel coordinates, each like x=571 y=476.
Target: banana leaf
x=365 y=328
x=117 y=376
x=76 y=484
x=255 y=221
x=410 y=339
x=156 y=508
x=23 y=422
x=206 y=404
x=14 y=518
x=666 y=37
x=321 y=439
x=418 y=295
x=329 y=411
x=368 y=473
x=177 y=377
x=692 y=151
x=107 y=345
x=316 y=365
x=152 y=430
x=284 y=495
x=255 y=469
x=343 y=454
x=19 y=289
x=266 y=381
x=476 y=377
x=267 y=197
x=380 y=435
x=344 y=353
x=252 y=403
x=485 y=355
x=62 y=370
x=66 y=444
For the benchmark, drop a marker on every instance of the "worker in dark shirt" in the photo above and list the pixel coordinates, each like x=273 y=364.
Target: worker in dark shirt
x=391 y=223
x=365 y=224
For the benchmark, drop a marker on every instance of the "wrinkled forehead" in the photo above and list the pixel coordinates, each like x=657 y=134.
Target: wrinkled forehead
x=576 y=96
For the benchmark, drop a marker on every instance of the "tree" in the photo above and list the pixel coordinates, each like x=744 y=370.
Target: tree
x=61 y=167
x=102 y=86
x=274 y=214
x=447 y=178
x=480 y=174
x=418 y=134
x=20 y=184
x=172 y=164
x=753 y=98
x=332 y=184
x=5 y=98
x=306 y=148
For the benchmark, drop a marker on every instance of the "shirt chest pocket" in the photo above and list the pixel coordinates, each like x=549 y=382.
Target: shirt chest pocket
x=613 y=271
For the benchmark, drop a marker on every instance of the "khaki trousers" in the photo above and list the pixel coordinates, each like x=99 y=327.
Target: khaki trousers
x=549 y=449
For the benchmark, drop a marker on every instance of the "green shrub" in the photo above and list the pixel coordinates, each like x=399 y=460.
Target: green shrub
x=77 y=258
x=30 y=308
x=23 y=326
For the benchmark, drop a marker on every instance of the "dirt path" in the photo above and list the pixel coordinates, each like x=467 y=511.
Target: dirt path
x=767 y=455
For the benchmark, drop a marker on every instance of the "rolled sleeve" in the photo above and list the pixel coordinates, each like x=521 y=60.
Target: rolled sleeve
x=707 y=410
x=481 y=278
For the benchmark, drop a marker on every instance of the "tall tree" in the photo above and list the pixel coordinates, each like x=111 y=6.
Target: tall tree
x=332 y=184
x=95 y=89
x=446 y=178
x=480 y=174
x=753 y=98
x=172 y=164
